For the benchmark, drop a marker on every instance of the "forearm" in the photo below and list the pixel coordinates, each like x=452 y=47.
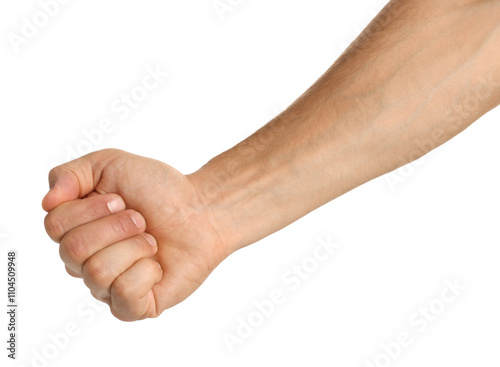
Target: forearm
x=419 y=74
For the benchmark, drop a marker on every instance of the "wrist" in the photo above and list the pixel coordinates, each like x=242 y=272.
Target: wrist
x=241 y=191
x=225 y=195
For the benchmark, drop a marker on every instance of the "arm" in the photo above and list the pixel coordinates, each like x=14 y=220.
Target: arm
x=419 y=74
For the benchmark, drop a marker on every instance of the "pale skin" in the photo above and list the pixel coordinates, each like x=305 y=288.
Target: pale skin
x=144 y=236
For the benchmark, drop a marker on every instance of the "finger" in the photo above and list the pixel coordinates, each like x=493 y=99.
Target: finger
x=84 y=241
x=72 y=214
x=102 y=268
x=72 y=273
x=77 y=178
x=132 y=296
x=106 y=300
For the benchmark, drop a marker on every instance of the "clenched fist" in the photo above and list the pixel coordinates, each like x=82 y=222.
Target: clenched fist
x=133 y=229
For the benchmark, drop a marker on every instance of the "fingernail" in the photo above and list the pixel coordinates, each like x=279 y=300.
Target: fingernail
x=150 y=239
x=116 y=204
x=138 y=219
x=160 y=266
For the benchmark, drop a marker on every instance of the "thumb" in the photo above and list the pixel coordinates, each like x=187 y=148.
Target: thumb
x=76 y=179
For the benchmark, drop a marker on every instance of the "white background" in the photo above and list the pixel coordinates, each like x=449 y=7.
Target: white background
x=228 y=77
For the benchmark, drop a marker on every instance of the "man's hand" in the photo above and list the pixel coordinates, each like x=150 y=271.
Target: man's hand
x=131 y=228
x=404 y=87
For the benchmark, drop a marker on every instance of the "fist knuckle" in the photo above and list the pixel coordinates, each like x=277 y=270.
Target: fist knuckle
x=122 y=287
x=74 y=248
x=53 y=226
x=97 y=273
